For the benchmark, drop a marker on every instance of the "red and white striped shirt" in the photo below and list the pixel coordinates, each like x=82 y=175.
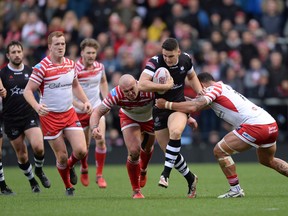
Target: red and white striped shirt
x=90 y=80
x=234 y=108
x=139 y=109
x=55 y=82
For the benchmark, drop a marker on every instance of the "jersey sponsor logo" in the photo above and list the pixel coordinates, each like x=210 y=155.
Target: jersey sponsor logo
x=156 y=58
x=248 y=137
x=38 y=66
x=78 y=124
x=113 y=92
x=58 y=85
x=16 y=90
x=176 y=86
x=272 y=129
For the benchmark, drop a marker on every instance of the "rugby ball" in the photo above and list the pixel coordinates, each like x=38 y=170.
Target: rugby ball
x=161 y=76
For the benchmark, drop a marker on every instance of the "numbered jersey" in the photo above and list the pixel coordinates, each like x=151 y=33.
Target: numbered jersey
x=234 y=108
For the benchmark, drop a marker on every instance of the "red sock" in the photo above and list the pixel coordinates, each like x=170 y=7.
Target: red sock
x=65 y=175
x=133 y=168
x=233 y=180
x=84 y=163
x=72 y=160
x=100 y=156
x=145 y=158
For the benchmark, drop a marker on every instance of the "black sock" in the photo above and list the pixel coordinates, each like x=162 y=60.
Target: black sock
x=172 y=152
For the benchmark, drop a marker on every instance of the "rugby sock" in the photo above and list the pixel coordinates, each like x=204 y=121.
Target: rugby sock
x=65 y=174
x=145 y=158
x=84 y=162
x=172 y=152
x=39 y=162
x=100 y=156
x=27 y=170
x=133 y=168
x=234 y=182
x=181 y=167
x=2 y=178
x=72 y=160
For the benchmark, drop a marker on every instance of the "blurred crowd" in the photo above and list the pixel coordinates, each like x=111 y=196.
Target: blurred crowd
x=241 y=42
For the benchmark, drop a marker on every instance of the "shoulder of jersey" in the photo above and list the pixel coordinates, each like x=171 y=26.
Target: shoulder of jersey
x=161 y=75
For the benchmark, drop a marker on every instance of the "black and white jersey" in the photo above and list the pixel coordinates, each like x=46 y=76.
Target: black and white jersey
x=178 y=72
x=14 y=81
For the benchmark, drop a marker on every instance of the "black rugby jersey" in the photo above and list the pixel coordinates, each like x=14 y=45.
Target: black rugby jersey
x=14 y=104
x=178 y=72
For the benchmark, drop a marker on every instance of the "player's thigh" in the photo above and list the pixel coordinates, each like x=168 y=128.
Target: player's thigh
x=233 y=144
x=35 y=137
x=77 y=140
x=266 y=155
x=162 y=137
x=59 y=148
x=176 y=124
x=132 y=138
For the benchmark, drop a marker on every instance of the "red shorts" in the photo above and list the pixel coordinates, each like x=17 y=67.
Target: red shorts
x=84 y=119
x=262 y=136
x=126 y=122
x=54 y=123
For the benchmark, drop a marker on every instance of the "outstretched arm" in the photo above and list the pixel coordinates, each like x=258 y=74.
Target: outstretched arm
x=191 y=106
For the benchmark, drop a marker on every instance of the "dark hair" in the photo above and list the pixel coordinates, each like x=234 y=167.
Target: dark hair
x=89 y=42
x=13 y=43
x=170 y=44
x=205 y=77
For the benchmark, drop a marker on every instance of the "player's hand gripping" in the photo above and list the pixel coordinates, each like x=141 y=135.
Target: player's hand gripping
x=3 y=92
x=96 y=132
x=160 y=103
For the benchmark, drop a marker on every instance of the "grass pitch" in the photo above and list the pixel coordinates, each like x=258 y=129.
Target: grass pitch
x=266 y=194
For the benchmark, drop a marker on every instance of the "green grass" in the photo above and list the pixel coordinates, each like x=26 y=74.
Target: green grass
x=266 y=194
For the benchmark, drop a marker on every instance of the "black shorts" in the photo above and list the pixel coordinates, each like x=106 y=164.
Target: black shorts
x=14 y=128
x=160 y=117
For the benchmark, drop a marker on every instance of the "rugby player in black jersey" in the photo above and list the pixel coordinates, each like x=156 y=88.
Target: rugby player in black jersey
x=169 y=125
x=19 y=118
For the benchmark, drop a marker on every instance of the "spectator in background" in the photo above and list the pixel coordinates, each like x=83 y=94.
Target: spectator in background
x=198 y=18
x=248 y=49
x=233 y=40
x=110 y=62
x=240 y=22
x=218 y=42
x=255 y=80
x=272 y=16
x=277 y=73
x=13 y=33
x=156 y=29
x=126 y=9
x=99 y=14
x=33 y=30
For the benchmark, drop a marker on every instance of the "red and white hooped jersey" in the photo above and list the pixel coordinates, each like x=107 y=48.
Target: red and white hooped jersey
x=55 y=82
x=90 y=80
x=234 y=108
x=139 y=109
